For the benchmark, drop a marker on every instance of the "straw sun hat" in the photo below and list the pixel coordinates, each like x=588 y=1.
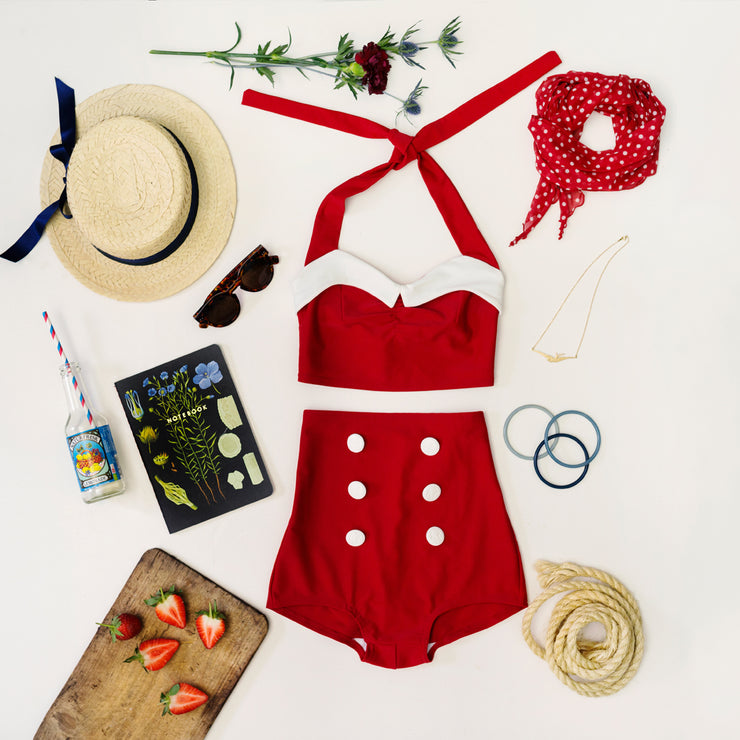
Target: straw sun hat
x=149 y=180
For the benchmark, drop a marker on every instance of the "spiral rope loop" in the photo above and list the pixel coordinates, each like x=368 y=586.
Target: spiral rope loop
x=588 y=595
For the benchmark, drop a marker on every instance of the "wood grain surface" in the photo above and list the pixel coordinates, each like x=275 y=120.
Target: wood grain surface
x=107 y=698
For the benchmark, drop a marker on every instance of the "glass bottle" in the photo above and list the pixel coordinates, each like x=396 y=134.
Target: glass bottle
x=90 y=445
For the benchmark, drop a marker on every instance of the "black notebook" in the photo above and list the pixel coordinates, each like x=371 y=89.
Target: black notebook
x=194 y=438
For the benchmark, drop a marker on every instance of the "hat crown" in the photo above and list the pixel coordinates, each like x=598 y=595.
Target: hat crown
x=186 y=251
x=129 y=187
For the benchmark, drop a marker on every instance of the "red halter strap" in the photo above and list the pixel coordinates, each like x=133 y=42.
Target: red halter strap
x=465 y=232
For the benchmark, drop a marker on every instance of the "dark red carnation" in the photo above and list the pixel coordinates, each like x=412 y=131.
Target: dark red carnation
x=375 y=62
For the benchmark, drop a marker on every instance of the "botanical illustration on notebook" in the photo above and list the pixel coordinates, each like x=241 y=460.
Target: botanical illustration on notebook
x=194 y=438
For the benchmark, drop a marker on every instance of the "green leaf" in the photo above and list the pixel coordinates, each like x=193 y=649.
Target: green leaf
x=266 y=72
x=238 y=39
x=345 y=49
x=386 y=39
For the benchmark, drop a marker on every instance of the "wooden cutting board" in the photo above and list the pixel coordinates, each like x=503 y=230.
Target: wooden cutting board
x=107 y=698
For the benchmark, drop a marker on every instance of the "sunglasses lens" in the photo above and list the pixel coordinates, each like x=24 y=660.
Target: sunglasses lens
x=257 y=276
x=222 y=309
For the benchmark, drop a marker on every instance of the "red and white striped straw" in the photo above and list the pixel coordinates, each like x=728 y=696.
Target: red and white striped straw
x=54 y=338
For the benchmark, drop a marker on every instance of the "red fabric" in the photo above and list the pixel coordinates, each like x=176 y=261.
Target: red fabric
x=567 y=167
x=349 y=338
x=396 y=591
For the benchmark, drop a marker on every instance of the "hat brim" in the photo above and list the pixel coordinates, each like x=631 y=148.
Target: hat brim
x=216 y=201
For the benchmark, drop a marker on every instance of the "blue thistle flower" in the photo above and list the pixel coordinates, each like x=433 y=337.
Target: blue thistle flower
x=411 y=106
x=448 y=39
x=407 y=49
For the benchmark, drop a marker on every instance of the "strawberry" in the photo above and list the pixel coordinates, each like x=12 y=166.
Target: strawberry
x=123 y=627
x=155 y=653
x=211 y=625
x=181 y=698
x=169 y=606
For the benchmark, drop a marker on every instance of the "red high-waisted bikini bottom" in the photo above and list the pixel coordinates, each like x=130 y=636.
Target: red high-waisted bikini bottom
x=399 y=541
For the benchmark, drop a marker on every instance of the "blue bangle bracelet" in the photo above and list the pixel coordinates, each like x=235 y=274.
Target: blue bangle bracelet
x=550 y=483
x=549 y=449
x=513 y=414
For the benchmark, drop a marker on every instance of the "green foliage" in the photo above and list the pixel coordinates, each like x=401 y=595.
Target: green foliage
x=191 y=438
x=339 y=64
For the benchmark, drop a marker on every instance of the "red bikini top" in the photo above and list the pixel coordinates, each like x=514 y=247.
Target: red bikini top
x=360 y=329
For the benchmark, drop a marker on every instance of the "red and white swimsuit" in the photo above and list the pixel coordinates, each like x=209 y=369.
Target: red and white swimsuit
x=399 y=541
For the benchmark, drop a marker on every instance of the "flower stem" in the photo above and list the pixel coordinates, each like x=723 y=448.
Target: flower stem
x=180 y=53
x=231 y=54
x=277 y=60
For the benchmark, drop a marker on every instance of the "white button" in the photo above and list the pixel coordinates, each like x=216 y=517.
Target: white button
x=431 y=492
x=435 y=536
x=356 y=443
x=355 y=537
x=357 y=489
x=429 y=446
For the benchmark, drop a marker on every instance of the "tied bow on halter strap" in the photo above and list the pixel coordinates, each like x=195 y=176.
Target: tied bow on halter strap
x=465 y=232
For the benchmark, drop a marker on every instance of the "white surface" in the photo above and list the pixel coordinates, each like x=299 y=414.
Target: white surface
x=659 y=508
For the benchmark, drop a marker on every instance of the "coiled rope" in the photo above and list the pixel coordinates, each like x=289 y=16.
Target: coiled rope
x=588 y=596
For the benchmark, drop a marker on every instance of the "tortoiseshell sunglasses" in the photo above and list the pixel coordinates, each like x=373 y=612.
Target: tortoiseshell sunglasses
x=252 y=274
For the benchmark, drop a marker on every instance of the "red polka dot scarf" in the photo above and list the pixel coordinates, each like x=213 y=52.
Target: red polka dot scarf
x=566 y=166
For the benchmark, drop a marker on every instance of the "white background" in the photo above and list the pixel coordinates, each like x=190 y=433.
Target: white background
x=659 y=507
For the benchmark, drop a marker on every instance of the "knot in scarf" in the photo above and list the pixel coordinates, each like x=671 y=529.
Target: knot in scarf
x=566 y=166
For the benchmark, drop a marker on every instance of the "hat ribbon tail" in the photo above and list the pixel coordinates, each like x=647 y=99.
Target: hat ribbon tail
x=68 y=131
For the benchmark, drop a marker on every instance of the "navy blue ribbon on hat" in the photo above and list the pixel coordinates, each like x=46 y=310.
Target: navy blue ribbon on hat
x=68 y=131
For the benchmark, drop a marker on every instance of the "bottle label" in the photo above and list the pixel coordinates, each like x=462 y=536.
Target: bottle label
x=94 y=457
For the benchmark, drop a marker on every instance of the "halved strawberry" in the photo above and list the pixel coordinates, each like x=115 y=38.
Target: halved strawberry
x=123 y=627
x=155 y=653
x=181 y=698
x=211 y=625
x=169 y=606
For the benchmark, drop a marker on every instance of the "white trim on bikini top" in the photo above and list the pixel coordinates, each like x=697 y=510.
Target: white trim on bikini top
x=342 y=268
